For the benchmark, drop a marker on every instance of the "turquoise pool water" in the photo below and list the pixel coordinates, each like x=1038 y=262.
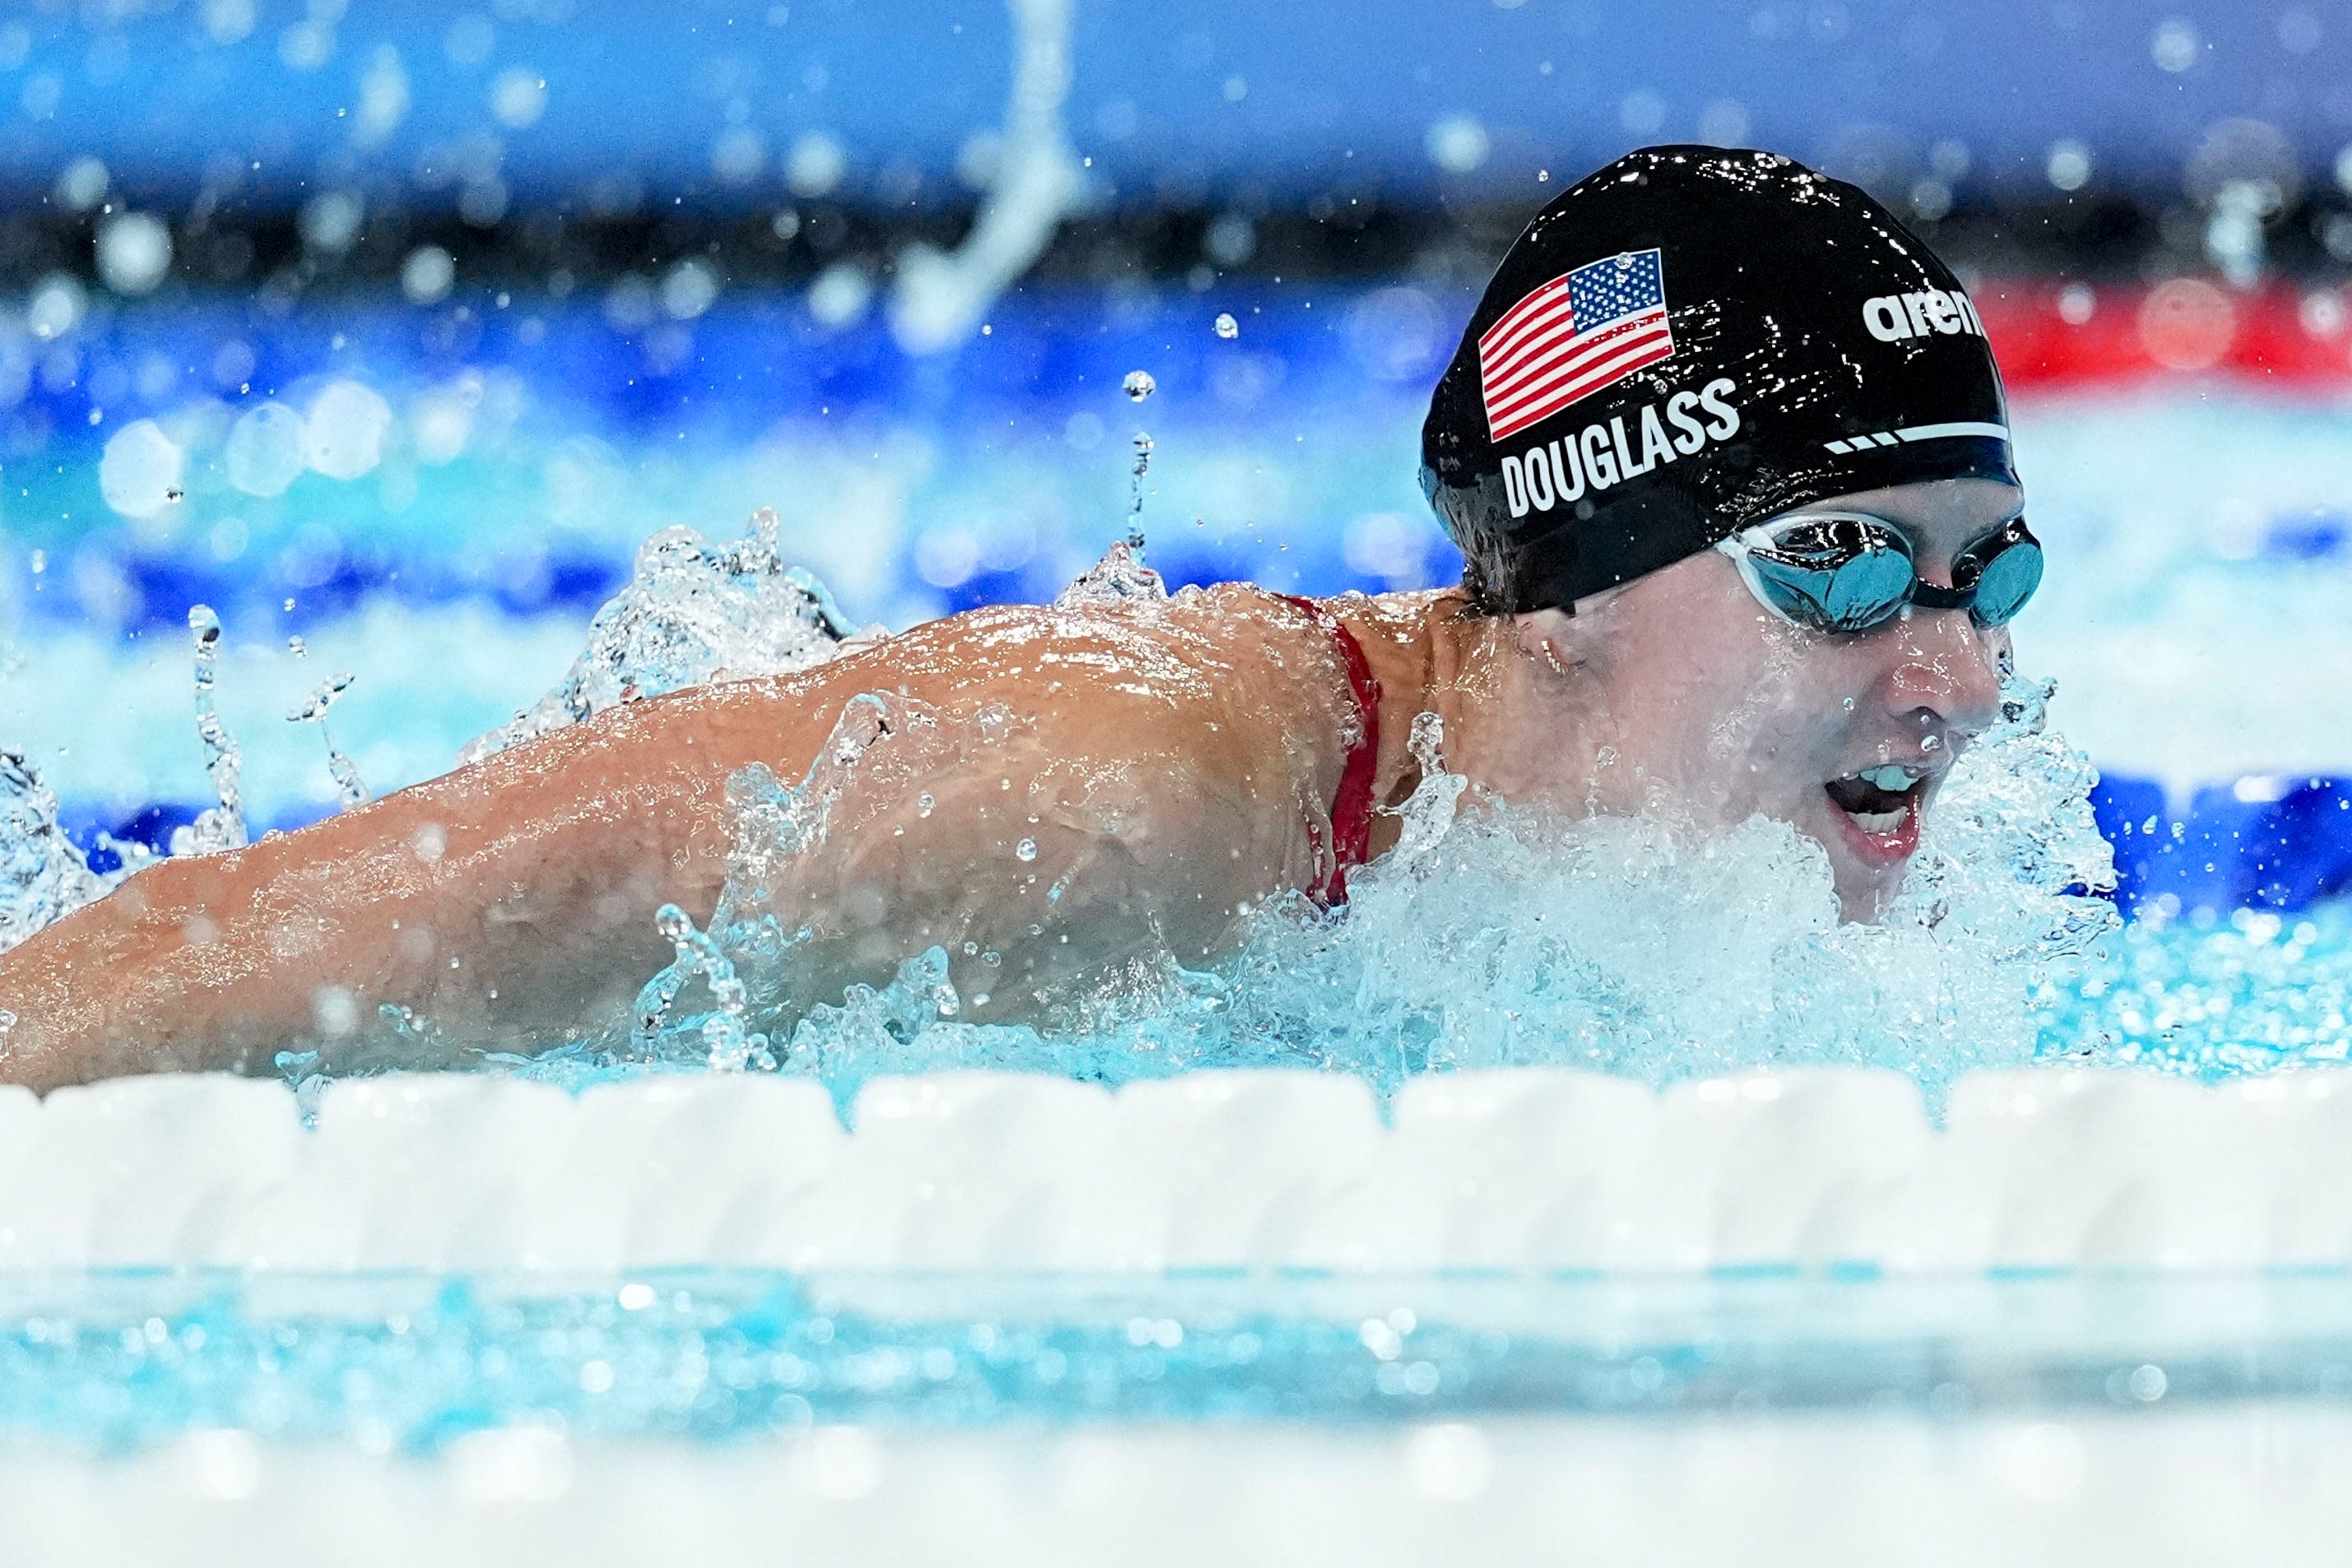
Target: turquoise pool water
x=405 y=1364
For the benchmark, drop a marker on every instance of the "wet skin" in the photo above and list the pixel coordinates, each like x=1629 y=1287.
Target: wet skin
x=1104 y=788
x=1682 y=691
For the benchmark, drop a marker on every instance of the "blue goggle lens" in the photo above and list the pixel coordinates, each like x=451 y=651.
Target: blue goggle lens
x=1852 y=573
x=2002 y=573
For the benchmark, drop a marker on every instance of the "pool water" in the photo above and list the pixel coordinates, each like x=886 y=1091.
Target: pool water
x=411 y=1363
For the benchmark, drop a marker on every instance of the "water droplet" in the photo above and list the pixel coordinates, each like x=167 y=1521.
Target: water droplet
x=924 y=804
x=297 y=646
x=1226 y=326
x=1139 y=385
x=1931 y=743
x=1142 y=466
x=1026 y=849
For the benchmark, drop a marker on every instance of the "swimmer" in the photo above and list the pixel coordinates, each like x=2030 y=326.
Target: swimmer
x=1727 y=457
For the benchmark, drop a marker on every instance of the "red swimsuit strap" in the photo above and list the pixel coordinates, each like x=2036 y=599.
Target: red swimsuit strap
x=1351 y=812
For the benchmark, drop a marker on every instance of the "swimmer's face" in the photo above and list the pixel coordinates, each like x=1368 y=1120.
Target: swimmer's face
x=1718 y=707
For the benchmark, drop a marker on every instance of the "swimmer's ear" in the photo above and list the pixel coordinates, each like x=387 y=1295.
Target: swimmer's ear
x=1550 y=636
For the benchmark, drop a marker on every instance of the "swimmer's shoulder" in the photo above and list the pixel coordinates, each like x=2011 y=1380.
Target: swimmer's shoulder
x=1197 y=643
x=1232 y=668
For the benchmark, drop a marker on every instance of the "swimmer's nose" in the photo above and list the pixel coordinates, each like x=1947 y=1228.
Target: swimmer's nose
x=1948 y=677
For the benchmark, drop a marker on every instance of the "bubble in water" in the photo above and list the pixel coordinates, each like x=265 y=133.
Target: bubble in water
x=1226 y=326
x=1026 y=849
x=1139 y=385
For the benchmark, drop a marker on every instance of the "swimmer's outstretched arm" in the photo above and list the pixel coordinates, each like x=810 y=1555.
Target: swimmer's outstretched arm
x=515 y=892
x=509 y=904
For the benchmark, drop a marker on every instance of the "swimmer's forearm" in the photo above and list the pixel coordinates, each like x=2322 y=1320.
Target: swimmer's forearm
x=504 y=903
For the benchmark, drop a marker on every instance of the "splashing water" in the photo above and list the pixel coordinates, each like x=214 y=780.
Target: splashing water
x=1497 y=935
x=692 y=613
x=2211 y=996
x=349 y=789
x=728 y=1045
x=1142 y=466
x=43 y=876
x=220 y=826
x=1491 y=935
x=1120 y=577
x=1138 y=385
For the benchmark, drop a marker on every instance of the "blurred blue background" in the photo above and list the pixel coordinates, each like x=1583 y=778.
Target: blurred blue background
x=700 y=101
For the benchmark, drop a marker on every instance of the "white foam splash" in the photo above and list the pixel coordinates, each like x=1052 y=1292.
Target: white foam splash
x=1495 y=935
x=43 y=877
x=693 y=612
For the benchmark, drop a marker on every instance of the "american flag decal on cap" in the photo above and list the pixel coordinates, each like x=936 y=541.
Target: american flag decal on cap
x=1583 y=330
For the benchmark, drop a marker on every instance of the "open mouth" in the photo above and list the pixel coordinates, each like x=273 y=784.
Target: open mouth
x=1879 y=807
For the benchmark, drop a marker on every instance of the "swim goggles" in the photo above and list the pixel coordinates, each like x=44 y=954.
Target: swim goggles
x=1849 y=572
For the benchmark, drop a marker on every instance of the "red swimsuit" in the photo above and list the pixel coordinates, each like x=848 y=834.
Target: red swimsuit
x=1351 y=812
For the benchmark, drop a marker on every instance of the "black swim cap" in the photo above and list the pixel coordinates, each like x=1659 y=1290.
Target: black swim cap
x=1686 y=344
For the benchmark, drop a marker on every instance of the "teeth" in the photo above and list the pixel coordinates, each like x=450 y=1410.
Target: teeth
x=1878 y=821
x=1892 y=777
